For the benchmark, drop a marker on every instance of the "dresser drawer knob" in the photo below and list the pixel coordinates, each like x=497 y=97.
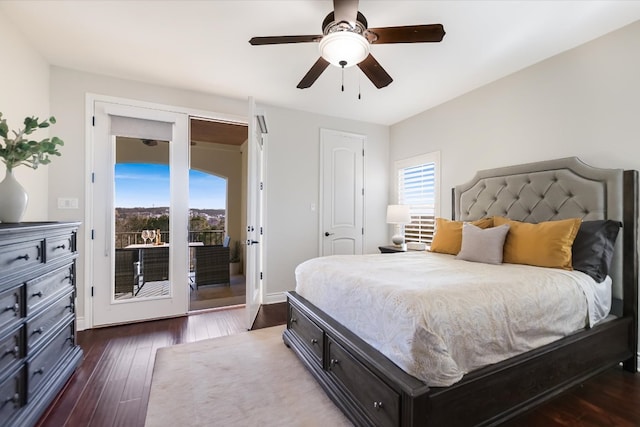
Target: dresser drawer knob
x=294 y=320
x=38 y=371
x=60 y=247
x=24 y=257
x=334 y=362
x=377 y=405
x=37 y=294
x=38 y=331
x=70 y=307
x=314 y=341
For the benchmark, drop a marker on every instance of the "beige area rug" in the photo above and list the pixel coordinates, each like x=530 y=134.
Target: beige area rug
x=248 y=379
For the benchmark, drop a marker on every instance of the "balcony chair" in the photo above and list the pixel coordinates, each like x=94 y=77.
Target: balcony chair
x=212 y=265
x=155 y=265
x=126 y=271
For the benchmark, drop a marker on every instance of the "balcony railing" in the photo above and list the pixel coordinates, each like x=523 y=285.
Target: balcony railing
x=210 y=237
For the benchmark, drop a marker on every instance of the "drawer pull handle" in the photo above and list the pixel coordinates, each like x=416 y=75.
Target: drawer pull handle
x=15 y=399
x=377 y=405
x=70 y=307
x=24 y=257
x=314 y=341
x=13 y=351
x=37 y=294
x=294 y=320
x=38 y=331
x=60 y=247
x=38 y=371
x=15 y=308
x=334 y=362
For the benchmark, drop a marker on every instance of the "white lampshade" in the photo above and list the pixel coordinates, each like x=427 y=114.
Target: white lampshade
x=398 y=214
x=352 y=48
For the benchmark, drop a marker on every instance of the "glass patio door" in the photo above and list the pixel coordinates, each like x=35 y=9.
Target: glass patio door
x=140 y=265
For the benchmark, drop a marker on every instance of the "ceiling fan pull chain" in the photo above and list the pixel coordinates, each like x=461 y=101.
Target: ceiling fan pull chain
x=359 y=81
x=342 y=64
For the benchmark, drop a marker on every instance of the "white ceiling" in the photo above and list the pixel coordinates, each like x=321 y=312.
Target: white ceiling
x=203 y=46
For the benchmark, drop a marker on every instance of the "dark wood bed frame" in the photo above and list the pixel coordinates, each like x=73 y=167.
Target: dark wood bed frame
x=371 y=390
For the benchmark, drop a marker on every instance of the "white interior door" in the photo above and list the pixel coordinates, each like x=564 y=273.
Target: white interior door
x=255 y=235
x=342 y=192
x=113 y=121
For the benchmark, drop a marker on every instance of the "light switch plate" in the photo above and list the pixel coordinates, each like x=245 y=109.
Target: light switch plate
x=67 y=203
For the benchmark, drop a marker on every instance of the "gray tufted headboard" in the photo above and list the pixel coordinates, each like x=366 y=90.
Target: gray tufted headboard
x=544 y=191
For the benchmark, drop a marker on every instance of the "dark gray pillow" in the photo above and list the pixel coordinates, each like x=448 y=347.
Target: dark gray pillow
x=482 y=245
x=592 y=249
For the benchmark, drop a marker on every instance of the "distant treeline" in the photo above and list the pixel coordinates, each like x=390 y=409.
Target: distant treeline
x=137 y=219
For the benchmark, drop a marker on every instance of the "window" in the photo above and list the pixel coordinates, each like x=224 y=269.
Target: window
x=417 y=182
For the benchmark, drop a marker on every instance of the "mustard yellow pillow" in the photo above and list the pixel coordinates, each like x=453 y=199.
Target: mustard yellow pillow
x=448 y=236
x=546 y=244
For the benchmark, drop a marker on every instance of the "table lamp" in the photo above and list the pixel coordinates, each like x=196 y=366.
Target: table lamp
x=398 y=215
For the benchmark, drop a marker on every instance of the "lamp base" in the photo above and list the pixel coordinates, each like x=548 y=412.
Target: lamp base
x=397 y=239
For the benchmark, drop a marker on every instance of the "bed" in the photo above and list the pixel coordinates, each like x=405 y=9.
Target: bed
x=372 y=389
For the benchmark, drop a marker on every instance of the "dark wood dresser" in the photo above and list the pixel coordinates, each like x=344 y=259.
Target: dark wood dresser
x=38 y=350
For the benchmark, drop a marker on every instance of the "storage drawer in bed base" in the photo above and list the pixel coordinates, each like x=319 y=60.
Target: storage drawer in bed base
x=484 y=397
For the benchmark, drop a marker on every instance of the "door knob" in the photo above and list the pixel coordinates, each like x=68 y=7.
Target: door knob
x=327 y=234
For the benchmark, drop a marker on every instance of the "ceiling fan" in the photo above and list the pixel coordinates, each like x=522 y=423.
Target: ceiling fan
x=346 y=40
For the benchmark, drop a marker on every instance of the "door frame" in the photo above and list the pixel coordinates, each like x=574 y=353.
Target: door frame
x=86 y=322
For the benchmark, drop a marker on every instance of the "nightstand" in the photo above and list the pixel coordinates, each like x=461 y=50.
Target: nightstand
x=391 y=249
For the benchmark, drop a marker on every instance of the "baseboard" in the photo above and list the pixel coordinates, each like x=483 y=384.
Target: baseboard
x=80 y=326
x=274 y=298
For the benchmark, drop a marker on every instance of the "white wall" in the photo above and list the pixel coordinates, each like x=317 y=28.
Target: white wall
x=292 y=167
x=292 y=186
x=24 y=91
x=584 y=102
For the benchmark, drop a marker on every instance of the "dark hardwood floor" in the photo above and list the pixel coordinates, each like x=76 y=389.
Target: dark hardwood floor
x=111 y=386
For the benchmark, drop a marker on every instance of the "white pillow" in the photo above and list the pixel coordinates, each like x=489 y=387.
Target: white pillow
x=483 y=245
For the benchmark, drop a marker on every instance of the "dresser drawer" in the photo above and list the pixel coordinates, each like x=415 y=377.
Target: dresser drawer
x=12 y=394
x=310 y=334
x=42 y=365
x=11 y=306
x=380 y=402
x=12 y=348
x=59 y=246
x=40 y=327
x=42 y=290
x=21 y=256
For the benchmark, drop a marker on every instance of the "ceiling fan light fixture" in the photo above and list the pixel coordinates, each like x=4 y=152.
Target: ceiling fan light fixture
x=344 y=46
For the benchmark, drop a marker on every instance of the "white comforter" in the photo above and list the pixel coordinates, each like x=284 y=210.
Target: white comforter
x=438 y=318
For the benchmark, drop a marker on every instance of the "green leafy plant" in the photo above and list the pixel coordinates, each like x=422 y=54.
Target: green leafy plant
x=19 y=150
x=235 y=252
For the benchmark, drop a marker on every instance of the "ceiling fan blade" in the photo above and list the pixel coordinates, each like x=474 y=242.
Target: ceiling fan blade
x=372 y=69
x=257 y=41
x=313 y=74
x=345 y=10
x=408 y=34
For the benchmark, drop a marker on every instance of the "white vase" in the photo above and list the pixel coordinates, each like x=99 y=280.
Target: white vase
x=13 y=199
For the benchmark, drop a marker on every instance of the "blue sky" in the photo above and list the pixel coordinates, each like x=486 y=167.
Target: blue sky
x=147 y=185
